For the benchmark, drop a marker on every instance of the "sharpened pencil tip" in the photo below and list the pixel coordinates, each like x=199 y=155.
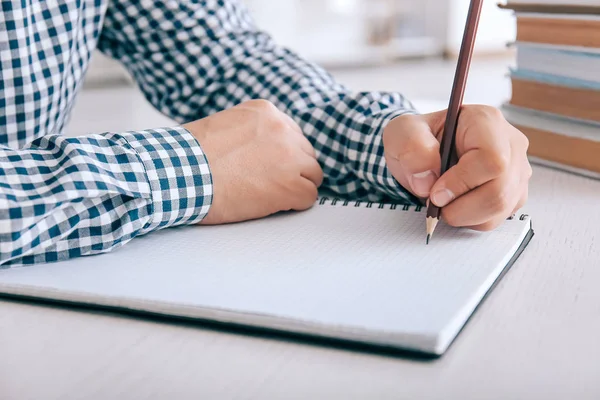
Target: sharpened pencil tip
x=431 y=224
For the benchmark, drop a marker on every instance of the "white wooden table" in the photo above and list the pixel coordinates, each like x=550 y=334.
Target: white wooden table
x=536 y=337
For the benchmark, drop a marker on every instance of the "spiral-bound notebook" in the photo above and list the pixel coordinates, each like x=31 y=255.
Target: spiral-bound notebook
x=352 y=272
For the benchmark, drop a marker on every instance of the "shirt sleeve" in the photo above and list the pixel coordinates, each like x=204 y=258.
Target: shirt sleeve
x=66 y=197
x=194 y=58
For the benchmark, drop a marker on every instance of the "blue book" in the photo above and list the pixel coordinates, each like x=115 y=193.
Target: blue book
x=558 y=66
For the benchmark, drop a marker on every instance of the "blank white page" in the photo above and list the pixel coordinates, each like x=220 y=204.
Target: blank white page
x=356 y=273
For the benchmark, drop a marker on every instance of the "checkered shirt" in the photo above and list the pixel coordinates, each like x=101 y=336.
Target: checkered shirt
x=67 y=197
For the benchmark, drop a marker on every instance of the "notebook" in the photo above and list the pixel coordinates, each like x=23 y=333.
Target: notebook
x=348 y=272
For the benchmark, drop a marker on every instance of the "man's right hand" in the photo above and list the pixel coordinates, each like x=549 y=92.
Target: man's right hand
x=260 y=161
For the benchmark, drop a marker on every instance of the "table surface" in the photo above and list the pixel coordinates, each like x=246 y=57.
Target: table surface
x=536 y=336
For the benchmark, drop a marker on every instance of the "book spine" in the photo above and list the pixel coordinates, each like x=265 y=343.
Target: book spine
x=558 y=31
x=551 y=8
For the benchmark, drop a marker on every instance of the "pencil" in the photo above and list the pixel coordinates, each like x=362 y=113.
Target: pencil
x=447 y=146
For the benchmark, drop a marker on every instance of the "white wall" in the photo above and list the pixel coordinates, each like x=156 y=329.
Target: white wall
x=496 y=28
x=322 y=29
x=335 y=32
x=318 y=29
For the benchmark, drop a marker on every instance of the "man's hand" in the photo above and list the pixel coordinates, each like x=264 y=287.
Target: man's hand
x=490 y=181
x=260 y=161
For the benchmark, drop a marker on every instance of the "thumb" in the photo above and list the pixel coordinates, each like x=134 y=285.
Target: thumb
x=412 y=153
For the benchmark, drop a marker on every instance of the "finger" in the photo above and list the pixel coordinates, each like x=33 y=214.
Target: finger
x=475 y=168
x=311 y=170
x=515 y=189
x=490 y=225
x=305 y=195
x=483 y=128
x=523 y=190
x=488 y=203
x=495 y=222
x=412 y=154
x=304 y=144
x=499 y=220
x=298 y=135
x=484 y=149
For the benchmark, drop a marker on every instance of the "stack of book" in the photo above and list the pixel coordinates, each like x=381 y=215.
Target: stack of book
x=556 y=82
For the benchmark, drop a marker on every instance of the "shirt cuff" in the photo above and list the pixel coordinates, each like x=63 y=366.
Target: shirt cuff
x=178 y=173
x=376 y=165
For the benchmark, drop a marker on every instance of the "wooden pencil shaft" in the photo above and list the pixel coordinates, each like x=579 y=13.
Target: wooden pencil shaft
x=447 y=145
x=460 y=83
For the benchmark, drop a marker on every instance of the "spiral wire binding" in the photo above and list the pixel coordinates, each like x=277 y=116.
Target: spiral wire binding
x=369 y=204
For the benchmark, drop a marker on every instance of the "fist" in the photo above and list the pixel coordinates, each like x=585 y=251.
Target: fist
x=260 y=161
x=488 y=184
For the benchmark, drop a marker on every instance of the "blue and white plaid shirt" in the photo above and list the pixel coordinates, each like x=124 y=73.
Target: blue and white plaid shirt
x=66 y=197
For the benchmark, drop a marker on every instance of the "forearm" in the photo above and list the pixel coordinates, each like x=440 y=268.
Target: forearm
x=198 y=59
x=67 y=197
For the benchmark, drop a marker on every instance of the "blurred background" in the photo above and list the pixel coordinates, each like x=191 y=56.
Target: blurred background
x=408 y=46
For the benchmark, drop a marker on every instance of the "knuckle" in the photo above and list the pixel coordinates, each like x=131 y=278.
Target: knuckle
x=499 y=201
x=451 y=218
x=308 y=196
x=529 y=171
x=457 y=181
x=494 y=112
x=288 y=152
x=408 y=146
x=413 y=146
x=462 y=178
x=262 y=104
x=496 y=163
x=488 y=226
x=524 y=141
x=277 y=125
x=485 y=111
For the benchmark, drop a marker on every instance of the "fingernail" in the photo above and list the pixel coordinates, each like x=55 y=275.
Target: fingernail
x=422 y=183
x=442 y=198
